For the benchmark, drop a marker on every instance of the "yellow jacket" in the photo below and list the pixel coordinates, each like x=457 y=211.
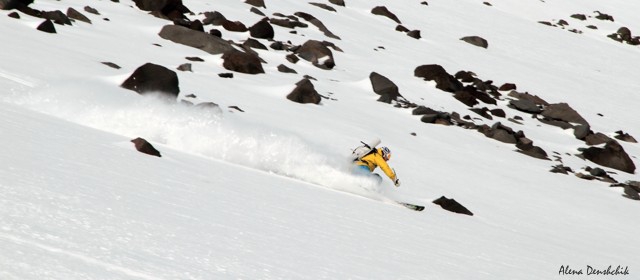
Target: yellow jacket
x=374 y=160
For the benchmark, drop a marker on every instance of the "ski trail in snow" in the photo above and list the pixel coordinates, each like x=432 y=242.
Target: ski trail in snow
x=16 y=79
x=77 y=256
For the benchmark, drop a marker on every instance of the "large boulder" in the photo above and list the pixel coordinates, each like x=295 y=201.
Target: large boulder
x=317 y=53
x=200 y=40
x=150 y=78
x=384 y=87
x=14 y=4
x=452 y=205
x=170 y=9
x=563 y=112
x=304 y=93
x=318 y=24
x=612 y=155
x=145 y=147
x=262 y=29
x=242 y=62
x=383 y=11
x=435 y=72
x=476 y=41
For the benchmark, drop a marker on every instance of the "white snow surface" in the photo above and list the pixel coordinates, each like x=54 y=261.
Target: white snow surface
x=267 y=193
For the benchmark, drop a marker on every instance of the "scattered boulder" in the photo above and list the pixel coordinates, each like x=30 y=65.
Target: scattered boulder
x=242 y=62
x=153 y=78
x=112 y=65
x=452 y=205
x=498 y=113
x=631 y=189
x=337 y=2
x=200 y=40
x=561 y=169
x=476 y=41
x=14 y=15
x=47 y=26
x=318 y=24
x=169 y=9
x=579 y=16
x=526 y=96
x=414 y=34
x=91 y=10
x=234 y=26
x=384 y=87
x=57 y=17
x=466 y=98
x=465 y=76
x=383 y=11
x=602 y=16
x=317 y=53
x=262 y=29
x=507 y=86
x=185 y=67
x=620 y=135
x=593 y=139
x=434 y=72
x=612 y=155
x=145 y=147
x=563 y=112
x=74 y=14
x=323 y=6
x=253 y=44
x=284 y=69
x=215 y=18
x=14 y=4
x=288 y=23
x=304 y=93
x=226 y=75
x=527 y=148
x=256 y=3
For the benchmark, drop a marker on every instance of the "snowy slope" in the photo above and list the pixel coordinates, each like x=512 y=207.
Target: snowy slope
x=266 y=193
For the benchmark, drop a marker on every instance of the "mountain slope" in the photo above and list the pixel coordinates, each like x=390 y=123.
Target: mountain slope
x=265 y=192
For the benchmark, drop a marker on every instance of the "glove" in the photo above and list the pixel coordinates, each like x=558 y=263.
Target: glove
x=397 y=182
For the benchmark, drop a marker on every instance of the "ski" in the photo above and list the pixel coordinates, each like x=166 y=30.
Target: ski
x=411 y=206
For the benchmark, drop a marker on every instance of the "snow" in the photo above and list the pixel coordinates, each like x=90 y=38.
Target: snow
x=267 y=193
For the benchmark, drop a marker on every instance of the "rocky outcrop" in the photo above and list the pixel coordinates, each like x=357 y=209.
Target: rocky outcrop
x=612 y=155
x=452 y=205
x=384 y=87
x=317 y=53
x=304 y=93
x=145 y=147
x=242 y=62
x=200 y=40
x=150 y=78
x=444 y=81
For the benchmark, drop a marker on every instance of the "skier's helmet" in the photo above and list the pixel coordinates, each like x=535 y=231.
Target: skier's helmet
x=386 y=153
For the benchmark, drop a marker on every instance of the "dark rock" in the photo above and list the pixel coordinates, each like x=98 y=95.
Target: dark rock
x=216 y=32
x=91 y=10
x=414 y=34
x=215 y=18
x=507 y=86
x=323 y=6
x=150 y=78
x=561 y=169
x=284 y=69
x=434 y=72
x=498 y=113
x=401 y=28
x=242 y=62
x=337 y=2
x=422 y=110
x=526 y=96
x=292 y=58
x=318 y=24
x=14 y=15
x=612 y=155
x=563 y=112
x=466 y=98
x=234 y=26
x=383 y=11
x=526 y=106
x=14 y=4
x=476 y=41
x=47 y=26
x=592 y=27
x=145 y=147
x=465 y=76
x=262 y=29
x=558 y=123
x=625 y=33
x=596 y=139
x=194 y=58
x=304 y=93
x=452 y=205
x=74 y=14
x=581 y=131
x=112 y=65
x=226 y=75
x=256 y=3
x=169 y=9
x=236 y=108
x=200 y=40
x=620 y=135
x=57 y=17
x=602 y=16
x=253 y=44
x=545 y=23
x=384 y=87
x=579 y=16
x=185 y=67
x=287 y=23
x=257 y=11
x=532 y=151
x=317 y=53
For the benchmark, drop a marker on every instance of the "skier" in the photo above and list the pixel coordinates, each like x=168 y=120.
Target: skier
x=377 y=157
